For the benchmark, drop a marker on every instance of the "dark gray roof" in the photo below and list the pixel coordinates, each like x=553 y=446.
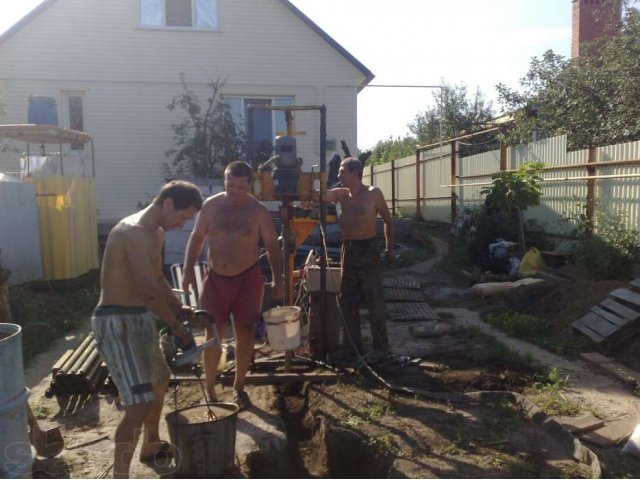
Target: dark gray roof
x=368 y=75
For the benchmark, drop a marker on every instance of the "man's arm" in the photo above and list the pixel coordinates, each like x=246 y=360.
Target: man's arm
x=336 y=194
x=383 y=211
x=153 y=290
x=270 y=240
x=194 y=248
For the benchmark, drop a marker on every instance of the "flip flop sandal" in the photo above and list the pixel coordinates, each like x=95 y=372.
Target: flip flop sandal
x=163 y=454
x=242 y=400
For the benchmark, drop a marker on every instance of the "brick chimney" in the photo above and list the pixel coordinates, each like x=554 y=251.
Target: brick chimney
x=590 y=21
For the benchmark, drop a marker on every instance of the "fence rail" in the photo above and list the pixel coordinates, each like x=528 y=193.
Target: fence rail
x=437 y=184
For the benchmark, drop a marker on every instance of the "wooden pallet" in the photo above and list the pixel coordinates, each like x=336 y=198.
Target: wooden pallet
x=614 y=319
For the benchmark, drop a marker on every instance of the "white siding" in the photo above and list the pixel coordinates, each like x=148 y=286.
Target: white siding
x=129 y=74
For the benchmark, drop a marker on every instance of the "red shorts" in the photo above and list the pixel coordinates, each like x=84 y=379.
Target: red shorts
x=240 y=295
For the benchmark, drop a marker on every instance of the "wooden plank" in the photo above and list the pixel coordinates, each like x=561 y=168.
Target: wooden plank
x=635 y=283
x=611 y=434
x=578 y=325
x=626 y=295
x=610 y=317
x=598 y=324
x=620 y=310
x=227 y=379
x=595 y=357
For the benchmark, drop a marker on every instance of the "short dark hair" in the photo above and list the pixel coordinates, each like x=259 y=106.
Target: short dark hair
x=238 y=168
x=353 y=164
x=184 y=195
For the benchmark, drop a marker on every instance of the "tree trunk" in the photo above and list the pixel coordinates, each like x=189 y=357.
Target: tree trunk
x=523 y=245
x=5 y=310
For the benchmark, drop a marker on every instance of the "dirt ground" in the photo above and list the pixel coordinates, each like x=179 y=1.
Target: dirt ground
x=356 y=428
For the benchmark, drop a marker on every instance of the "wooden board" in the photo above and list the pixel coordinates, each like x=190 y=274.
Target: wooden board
x=402 y=295
x=408 y=311
x=578 y=325
x=600 y=325
x=402 y=282
x=610 y=317
x=635 y=283
x=620 y=310
x=627 y=296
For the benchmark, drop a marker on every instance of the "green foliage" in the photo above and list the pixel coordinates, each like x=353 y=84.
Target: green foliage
x=207 y=139
x=392 y=149
x=458 y=112
x=515 y=191
x=530 y=328
x=593 y=99
x=45 y=316
x=608 y=248
x=547 y=393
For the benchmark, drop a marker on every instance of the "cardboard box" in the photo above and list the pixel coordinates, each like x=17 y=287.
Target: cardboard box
x=333 y=279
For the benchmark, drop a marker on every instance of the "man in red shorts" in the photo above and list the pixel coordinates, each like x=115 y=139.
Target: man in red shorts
x=234 y=222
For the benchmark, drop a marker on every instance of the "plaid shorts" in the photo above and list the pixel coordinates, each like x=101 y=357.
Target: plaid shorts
x=126 y=338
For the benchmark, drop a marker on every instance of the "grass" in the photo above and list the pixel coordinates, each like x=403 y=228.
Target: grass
x=531 y=329
x=493 y=350
x=46 y=313
x=547 y=393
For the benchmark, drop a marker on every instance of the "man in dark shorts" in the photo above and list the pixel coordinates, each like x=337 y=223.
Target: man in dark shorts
x=134 y=293
x=234 y=222
x=361 y=267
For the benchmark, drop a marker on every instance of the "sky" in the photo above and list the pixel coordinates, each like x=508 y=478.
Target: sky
x=423 y=42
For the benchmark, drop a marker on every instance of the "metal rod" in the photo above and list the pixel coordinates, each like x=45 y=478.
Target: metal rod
x=563 y=179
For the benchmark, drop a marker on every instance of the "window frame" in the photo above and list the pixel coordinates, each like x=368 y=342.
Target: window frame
x=196 y=19
x=67 y=95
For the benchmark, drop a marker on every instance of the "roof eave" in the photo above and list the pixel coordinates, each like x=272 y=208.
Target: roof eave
x=367 y=74
x=25 y=20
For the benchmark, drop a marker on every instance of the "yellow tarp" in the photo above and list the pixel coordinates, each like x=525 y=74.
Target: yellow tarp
x=68 y=225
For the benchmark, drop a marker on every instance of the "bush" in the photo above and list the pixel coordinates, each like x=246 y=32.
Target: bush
x=612 y=251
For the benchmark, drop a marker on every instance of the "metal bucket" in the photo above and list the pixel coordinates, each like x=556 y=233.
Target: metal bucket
x=205 y=448
x=16 y=453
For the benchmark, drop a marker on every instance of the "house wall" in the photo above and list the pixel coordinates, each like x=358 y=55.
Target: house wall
x=129 y=74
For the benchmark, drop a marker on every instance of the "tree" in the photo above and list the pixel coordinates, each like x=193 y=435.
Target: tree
x=593 y=99
x=462 y=113
x=207 y=139
x=393 y=148
x=458 y=113
x=515 y=192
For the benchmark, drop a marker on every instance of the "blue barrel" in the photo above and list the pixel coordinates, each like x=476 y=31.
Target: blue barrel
x=42 y=111
x=16 y=453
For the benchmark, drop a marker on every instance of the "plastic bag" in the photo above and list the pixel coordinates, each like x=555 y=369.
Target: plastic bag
x=531 y=263
x=632 y=447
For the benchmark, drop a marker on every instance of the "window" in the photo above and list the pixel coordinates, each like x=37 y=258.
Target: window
x=74 y=114
x=198 y=14
x=266 y=124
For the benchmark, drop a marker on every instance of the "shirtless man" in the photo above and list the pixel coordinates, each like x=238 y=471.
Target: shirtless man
x=361 y=267
x=134 y=293
x=234 y=222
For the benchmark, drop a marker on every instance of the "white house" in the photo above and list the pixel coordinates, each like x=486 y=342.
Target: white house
x=112 y=67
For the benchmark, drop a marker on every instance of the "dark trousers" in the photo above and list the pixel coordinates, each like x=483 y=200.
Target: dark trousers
x=362 y=279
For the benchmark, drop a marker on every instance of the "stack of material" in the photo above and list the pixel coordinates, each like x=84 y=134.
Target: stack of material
x=79 y=371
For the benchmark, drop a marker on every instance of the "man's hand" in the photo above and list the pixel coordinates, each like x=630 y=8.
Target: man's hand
x=277 y=290
x=389 y=256
x=183 y=333
x=188 y=280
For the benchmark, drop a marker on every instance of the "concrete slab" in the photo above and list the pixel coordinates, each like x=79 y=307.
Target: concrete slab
x=581 y=424
x=613 y=433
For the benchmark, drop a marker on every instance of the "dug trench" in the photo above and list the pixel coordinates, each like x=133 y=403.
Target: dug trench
x=357 y=428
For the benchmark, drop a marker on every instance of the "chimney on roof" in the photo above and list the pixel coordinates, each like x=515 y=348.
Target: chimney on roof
x=593 y=19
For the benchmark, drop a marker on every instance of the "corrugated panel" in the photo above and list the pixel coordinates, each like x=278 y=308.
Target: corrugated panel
x=68 y=225
x=551 y=151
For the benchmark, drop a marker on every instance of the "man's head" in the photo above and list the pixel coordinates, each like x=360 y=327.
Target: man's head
x=350 y=170
x=237 y=179
x=179 y=201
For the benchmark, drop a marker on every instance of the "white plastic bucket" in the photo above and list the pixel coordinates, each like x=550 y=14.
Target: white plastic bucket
x=283 y=327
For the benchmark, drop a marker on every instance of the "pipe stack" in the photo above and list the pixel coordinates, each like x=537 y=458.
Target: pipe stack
x=78 y=371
